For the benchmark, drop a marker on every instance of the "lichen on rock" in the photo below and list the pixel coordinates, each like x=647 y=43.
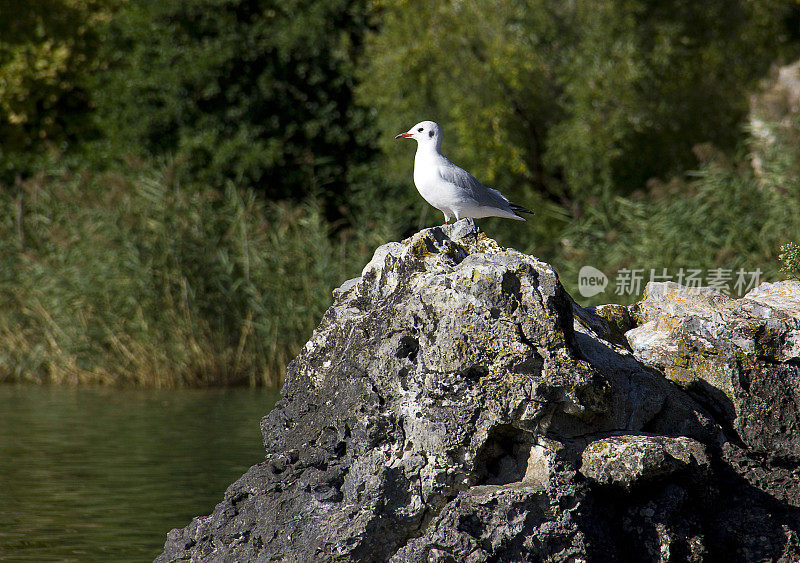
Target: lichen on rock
x=631 y=461
x=739 y=357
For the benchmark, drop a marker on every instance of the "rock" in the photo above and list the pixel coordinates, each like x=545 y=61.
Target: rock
x=455 y=404
x=629 y=461
x=739 y=357
x=783 y=297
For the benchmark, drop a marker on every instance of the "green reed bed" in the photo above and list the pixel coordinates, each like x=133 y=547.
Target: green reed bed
x=131 y=279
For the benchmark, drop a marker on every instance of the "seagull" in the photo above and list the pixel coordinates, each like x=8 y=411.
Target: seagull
x=450 y=189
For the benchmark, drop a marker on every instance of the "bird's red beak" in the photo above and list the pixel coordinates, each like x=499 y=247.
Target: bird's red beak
x=403 y=136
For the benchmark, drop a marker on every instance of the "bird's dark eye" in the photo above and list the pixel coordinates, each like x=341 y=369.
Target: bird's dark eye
x=430 y=133
x=420 y=129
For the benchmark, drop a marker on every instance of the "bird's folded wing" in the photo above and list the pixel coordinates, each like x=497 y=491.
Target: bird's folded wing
x=471 y=188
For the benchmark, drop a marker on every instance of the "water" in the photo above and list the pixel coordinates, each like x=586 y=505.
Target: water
x=104 y=474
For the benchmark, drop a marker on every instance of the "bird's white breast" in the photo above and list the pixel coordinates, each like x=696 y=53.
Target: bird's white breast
x=429 y=182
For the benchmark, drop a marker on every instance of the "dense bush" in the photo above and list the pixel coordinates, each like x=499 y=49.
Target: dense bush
x=254 y=91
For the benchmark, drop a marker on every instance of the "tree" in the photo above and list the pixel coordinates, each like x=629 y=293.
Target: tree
x=47 y=52
x=258 y=91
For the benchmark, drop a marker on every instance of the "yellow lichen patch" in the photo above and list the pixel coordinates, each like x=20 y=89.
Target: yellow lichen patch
x=483 y=243
x=667 y=323
x=418 y=248
x=692 y=364
x=613 y=313
x=477 y=275
x=744 y=360
x=599 y=448
x=680 y=377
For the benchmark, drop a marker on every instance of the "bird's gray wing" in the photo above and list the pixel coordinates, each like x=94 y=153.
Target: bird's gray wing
x=471 y=187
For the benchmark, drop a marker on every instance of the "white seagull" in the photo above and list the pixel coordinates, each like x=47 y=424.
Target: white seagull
x=450 y=189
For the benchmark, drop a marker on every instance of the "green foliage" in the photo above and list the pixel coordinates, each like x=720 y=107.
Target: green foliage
x=644 y=82
x=724 y=216
x=114 y=279
x=254 y=91
x=572 y=100
x=47 y=51
x=790 y=259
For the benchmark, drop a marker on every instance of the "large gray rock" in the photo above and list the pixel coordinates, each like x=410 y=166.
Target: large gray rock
x=455 y=404
x=740 y=357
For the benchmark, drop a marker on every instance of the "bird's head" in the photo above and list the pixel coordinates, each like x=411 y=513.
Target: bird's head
x=424 y=132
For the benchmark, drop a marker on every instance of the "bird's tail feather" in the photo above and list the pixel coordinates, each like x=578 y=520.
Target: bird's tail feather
x=519 y=209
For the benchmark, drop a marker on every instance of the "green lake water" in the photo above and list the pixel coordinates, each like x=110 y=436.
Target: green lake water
x=104 y=474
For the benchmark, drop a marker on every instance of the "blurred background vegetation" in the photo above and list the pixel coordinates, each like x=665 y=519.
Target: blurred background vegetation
x=182 y=183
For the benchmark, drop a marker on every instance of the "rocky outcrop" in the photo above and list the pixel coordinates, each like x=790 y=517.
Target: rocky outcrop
x=741 y=360
x=455 y=404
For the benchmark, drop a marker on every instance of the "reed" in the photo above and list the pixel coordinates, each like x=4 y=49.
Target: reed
x=130 y=279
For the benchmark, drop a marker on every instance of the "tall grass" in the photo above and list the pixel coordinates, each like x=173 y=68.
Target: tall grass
x=132 y=279
x=727 y=216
